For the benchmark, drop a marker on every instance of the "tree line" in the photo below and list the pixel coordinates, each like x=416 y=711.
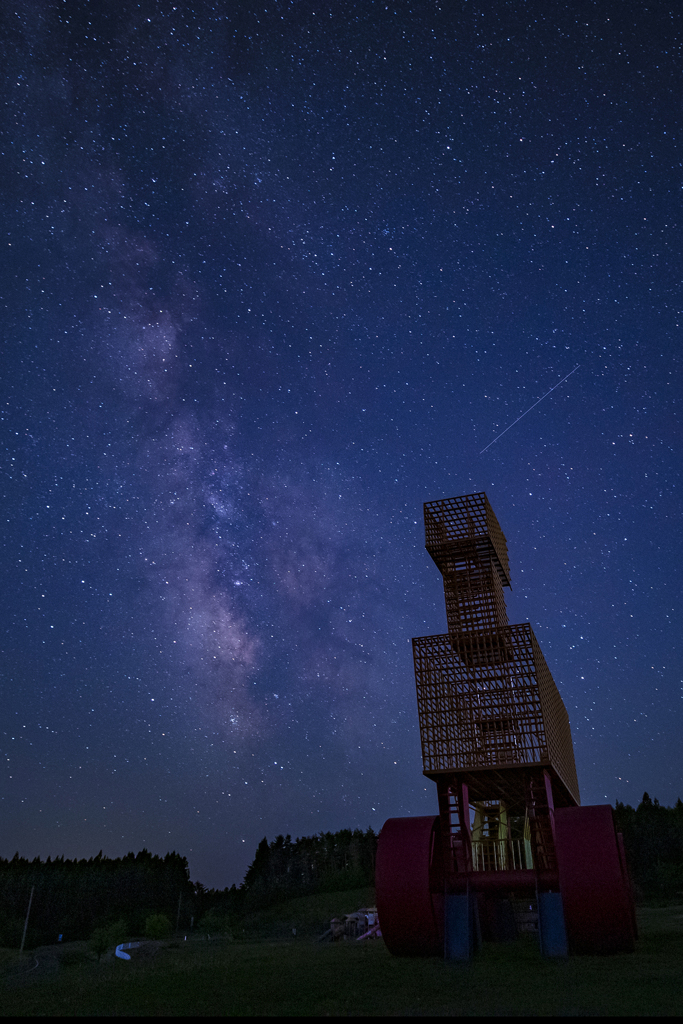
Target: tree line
x=285 y=868
x=104 y=896
x=653 y=838
x=76 y=898
x=328 y=862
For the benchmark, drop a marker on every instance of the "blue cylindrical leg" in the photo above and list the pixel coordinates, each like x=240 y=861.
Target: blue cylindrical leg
x=551 y=929
x=460 y=926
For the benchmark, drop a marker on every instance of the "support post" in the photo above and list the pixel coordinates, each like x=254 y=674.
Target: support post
x=462 y=800
x=541 y=811
x=23 y=937
x=461 y=926
x=551 y=927
x=550 y=802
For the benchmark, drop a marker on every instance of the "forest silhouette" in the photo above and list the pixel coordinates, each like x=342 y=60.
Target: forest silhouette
x=74 y=898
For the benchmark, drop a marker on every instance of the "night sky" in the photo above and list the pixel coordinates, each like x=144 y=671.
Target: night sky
x=273 y=276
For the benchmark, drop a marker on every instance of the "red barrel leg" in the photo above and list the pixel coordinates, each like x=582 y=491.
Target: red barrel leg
x=409 y=887
x=596 y=895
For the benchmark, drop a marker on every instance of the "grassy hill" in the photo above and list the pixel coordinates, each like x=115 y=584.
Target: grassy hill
x=301 y=977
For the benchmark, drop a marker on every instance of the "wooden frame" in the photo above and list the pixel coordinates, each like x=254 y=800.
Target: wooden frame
x=486 y=698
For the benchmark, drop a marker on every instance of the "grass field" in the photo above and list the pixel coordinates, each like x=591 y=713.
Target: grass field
x=297 y=976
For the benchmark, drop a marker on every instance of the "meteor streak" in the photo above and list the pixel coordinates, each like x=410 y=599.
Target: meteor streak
x=529 y=409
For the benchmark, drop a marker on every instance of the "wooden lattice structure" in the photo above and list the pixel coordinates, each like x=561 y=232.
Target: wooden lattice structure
x=485 y=695
x=496 y=741
x=467 y=544
x=488 y=702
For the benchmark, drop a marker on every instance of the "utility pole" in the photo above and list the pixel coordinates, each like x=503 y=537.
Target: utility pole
x=23 y=937
x=177 y=919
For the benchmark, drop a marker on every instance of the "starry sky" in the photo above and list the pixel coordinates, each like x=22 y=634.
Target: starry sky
x=273 y=276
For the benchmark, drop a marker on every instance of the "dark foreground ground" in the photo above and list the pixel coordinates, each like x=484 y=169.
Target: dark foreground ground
x=298 y=976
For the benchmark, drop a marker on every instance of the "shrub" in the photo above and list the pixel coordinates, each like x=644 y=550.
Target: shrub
x=102 y=938
x=100 y=942
x=216 y=923
x=157 y=926
x=118 y=932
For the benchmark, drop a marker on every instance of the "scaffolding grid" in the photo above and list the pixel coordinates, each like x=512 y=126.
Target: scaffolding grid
x=451 y=523
x=487 y=700
x=474 y=595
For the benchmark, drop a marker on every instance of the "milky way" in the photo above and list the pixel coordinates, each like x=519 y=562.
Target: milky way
x=273 y=277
